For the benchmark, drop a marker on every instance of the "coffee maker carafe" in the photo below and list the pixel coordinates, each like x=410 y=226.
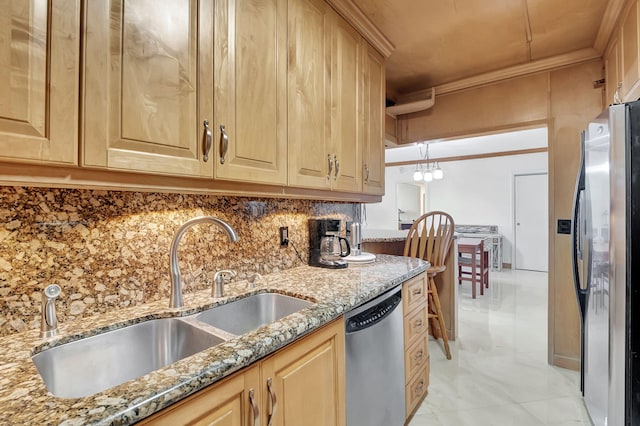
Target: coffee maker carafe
x=326 y=246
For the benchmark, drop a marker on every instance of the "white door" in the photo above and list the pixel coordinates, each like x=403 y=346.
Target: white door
x=531 y=222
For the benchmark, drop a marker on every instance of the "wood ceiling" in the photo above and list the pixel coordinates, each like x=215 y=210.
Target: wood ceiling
x=444 y=41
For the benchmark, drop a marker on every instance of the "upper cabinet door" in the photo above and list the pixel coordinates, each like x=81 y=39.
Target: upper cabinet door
x=630 y=46
x=612 y=71
x=373 y=109
x=250 y=90
x=309 y=93
x=39 y=61
x=345 y=106
x=148 y=86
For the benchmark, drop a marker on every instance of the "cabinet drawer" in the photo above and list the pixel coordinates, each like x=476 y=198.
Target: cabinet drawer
x=414 y=293
x=417 y=389
x=415 y=358
x=415 y=326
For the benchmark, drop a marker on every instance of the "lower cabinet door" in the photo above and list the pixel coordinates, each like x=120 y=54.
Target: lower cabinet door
x=228 y=403
x=305 y=382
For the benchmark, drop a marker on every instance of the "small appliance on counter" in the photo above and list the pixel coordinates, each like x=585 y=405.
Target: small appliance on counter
x=355 y=238
x=326 y=247
x=357 y=256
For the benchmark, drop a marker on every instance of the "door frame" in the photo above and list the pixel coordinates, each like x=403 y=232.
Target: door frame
x=513 y=211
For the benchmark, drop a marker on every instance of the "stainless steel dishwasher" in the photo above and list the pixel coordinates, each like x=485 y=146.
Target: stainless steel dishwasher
x=375 y=362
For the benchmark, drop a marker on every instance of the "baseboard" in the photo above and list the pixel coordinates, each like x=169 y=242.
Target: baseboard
x=569 y=363
x=506 y=266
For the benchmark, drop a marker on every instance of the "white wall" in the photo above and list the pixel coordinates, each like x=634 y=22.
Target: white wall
x=409 y=201
x=474 y=192
x=384 y=215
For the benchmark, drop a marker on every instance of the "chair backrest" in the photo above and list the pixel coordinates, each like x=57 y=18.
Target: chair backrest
x=430 y=237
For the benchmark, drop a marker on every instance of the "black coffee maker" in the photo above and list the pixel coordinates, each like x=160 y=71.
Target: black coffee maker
x=326 y=246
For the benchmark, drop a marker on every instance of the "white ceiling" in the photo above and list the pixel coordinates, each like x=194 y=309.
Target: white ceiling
x=511 y=141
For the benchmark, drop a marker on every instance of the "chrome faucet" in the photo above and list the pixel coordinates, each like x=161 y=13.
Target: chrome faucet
x=175 y=300
x=251 y=281
x=218 y=282
x=49 y=322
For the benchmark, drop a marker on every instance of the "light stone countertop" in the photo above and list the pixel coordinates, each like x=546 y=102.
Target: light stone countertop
x=383 y=235
x=24 y=398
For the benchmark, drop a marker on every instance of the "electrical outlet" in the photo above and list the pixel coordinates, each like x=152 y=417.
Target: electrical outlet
x=284 y=235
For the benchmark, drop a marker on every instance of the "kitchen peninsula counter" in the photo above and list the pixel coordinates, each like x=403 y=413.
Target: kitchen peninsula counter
x=391 y=241
x=24 y=398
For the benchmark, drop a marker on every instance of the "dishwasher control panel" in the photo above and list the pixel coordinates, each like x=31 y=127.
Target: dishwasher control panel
x=374 y=314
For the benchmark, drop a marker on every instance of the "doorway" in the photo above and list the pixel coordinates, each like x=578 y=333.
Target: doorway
x=531 y=231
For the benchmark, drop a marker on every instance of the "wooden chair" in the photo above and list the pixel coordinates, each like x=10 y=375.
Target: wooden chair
x=429 y=239
x=473 y=264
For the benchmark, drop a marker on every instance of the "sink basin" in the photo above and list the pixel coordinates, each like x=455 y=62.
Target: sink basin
x=97 y=363
x=252 y=312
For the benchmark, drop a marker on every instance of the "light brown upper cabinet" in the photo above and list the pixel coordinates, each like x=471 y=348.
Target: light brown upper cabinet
x=373 y=88
x=309 y=93
x=148 y=86
x=612 y=71
x=324 y=80
x=39 y=62
x=250 y=91
x=252 y=94
x=346 y=125
x=630 y=67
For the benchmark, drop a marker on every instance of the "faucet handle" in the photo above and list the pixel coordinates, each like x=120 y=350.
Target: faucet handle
x=218 y=282
x=252 y=280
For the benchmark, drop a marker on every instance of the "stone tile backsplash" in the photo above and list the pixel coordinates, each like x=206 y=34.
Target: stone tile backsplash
x=110 y=249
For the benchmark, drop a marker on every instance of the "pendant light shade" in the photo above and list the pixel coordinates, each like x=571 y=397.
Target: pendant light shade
x=437 y=172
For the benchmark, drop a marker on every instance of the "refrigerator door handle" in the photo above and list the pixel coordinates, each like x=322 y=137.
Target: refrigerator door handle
x=577 y=233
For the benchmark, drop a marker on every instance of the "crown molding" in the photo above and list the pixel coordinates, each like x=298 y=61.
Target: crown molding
x=352 y=13
x=533 y=67
x=608 y=24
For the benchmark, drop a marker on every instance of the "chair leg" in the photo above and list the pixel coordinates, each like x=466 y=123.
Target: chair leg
x=438 y=313
x=432 y=318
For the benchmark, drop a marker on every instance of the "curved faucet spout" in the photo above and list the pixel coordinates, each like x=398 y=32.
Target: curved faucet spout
x=175 y=300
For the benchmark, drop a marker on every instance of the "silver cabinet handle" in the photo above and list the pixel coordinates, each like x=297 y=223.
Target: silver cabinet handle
x=335 y=159
x=207 y=141
x=273 y=402
x=417 y=291
x=224 y=143
x=254 y=408
x=330 y=166
x=366 y=173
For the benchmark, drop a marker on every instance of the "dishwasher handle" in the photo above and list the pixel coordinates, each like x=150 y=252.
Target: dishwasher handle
x=374 y=314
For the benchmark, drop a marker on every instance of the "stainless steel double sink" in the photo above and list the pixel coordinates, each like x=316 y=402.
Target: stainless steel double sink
x=93 y=364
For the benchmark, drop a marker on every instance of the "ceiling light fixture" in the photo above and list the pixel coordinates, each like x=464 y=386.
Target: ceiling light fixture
x=430 y=173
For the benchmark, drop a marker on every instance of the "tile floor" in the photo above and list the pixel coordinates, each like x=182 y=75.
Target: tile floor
x=499 y=373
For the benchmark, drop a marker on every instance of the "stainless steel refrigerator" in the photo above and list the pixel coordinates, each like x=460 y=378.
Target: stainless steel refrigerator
x=606 y=219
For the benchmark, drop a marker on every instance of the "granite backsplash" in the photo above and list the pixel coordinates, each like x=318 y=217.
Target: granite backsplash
x=110 y=249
